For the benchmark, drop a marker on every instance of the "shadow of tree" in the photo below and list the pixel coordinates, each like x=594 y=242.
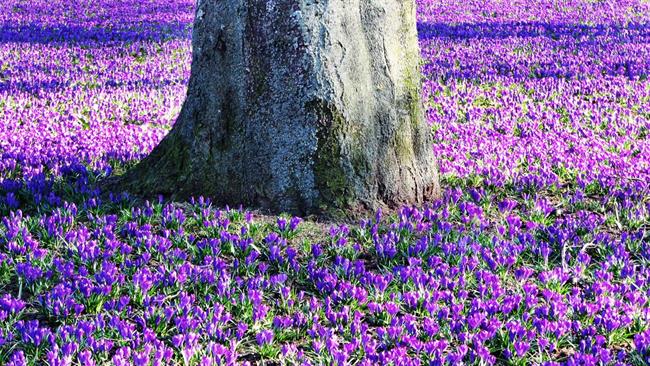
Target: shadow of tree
x=633 y=32
x=538 y=50
x=94 y=36
x=57 y=85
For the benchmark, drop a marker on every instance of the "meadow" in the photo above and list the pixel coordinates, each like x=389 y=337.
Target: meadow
x=538 y=253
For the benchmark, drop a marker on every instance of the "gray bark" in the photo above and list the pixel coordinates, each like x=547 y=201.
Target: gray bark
x=300 y=106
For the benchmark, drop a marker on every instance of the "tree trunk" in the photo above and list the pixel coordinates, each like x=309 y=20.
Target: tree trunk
x=299 y=106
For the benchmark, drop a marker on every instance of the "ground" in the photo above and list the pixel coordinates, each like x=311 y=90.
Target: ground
x=538 y=253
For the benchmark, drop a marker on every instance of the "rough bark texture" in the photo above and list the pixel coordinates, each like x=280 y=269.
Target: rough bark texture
x=300 y=106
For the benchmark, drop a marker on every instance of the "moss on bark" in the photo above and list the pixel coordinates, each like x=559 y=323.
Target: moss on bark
x=332 y=181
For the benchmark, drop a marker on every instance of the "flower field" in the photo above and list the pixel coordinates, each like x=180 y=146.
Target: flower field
x=537 y=254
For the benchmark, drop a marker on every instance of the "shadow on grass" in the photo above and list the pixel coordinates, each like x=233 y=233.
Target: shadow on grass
x=569 y=42
x=58 y=85
x=86 y=36
x=632 y=33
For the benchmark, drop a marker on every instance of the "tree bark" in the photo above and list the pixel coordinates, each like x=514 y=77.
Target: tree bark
x=299 y=106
